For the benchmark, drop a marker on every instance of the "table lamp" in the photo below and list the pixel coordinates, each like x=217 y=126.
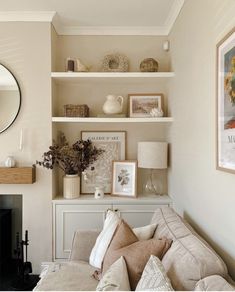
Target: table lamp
x=152 y=155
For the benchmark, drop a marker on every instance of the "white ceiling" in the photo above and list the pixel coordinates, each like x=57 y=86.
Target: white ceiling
x=151 y=17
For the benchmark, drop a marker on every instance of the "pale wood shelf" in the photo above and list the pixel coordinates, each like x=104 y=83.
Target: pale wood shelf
x=17 y=175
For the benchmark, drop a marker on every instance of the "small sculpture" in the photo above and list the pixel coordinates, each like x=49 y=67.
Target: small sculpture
x=149 y=65
x=156 y=112
x=80 y=67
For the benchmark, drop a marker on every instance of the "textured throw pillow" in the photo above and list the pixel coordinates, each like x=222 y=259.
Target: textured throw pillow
x=116 y=278
x=154 y=277
x=136 y=253
x=103 y=240
x=145 y=232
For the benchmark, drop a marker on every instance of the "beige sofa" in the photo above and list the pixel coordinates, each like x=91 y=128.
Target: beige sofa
x=191 y=263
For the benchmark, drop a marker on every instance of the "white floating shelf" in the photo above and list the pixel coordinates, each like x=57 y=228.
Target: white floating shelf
x=111 y=120
x=79 y=76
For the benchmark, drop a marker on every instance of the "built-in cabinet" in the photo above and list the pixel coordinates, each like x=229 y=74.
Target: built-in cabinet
x=87 y=213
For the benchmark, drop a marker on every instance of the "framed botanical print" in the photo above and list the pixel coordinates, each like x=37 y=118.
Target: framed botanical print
x=124 y=181
x=100 y=173
x=226 y=103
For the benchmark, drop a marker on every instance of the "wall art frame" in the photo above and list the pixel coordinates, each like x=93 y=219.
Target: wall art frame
x=114 y=144
x=225 y=104
x=141 y=104
x=124 y=178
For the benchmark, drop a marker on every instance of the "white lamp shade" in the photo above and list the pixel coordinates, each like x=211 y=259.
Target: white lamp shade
x=152 y=155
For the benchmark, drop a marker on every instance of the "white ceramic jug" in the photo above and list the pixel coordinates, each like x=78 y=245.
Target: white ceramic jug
x=113 y=105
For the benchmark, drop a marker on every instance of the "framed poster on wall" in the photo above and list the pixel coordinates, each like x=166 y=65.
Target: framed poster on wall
x=100 y=173
x=226 y=103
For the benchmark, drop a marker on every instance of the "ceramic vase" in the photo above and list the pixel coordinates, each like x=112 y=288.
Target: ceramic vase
x=71 y=186
x=10 y=161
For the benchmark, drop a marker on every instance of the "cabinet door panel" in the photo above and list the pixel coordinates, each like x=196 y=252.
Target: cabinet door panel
x=69 y=218
x=136 y=215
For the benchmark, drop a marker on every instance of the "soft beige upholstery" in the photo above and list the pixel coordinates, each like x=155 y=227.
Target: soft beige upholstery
x=213 y=283
x=190 y=258
x=83 y=242
x=71 y=277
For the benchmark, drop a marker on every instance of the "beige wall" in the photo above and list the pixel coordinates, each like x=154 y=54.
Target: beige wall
x=25 y=50
x=204 y=195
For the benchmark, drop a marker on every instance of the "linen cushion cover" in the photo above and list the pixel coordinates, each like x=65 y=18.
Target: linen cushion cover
x=214 y=283
x=190 y=258
x=116 y=278
x=154 y=277
x=136 y=253
x=103 y=240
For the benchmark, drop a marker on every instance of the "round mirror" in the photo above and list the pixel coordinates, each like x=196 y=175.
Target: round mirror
x=10 y=98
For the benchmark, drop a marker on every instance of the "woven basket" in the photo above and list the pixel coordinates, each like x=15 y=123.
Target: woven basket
x=76 y=110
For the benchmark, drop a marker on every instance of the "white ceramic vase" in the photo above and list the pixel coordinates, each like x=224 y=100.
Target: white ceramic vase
x=10 y=161
x=71 y=186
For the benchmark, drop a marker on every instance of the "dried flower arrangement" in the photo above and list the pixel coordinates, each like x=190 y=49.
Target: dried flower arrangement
x=71 y=159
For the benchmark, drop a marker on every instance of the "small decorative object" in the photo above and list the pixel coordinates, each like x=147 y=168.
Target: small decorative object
x=152 y=155
x=149 y=65
x=80 y=67
x=70 y=65
x=124 y=181
x=166 y=46
x=73 y=160
x=141 y=105
x=156 y=112
x=76 y=110
x=226 y=103
x=10 y=161
x=115 y=63
x=113 y=105
x=99 y=192
x=100 y=173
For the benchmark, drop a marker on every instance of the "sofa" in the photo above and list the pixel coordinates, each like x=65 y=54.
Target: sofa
x=190 y=263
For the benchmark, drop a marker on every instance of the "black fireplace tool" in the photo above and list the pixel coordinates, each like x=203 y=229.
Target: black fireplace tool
x=24 y=281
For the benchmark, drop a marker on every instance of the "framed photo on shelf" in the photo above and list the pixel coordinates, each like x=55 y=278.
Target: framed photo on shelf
x=140 y=105
x=226 y=103
x=124 y=179
x=100 y=173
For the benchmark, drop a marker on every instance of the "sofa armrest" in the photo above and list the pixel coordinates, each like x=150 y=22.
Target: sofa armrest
x=83 y=242
x=213 y=283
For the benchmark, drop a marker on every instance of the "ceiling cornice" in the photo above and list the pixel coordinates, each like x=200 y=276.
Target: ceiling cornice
x=27 y=16
x=61 y=29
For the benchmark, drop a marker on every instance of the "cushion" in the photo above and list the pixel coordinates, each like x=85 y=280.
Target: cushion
x=145 y=232
x=214 y=283
x=154 y=277
x=190 y=258
x=136 y=253
x=103 y=240
x=70 y=277
x=116 y=278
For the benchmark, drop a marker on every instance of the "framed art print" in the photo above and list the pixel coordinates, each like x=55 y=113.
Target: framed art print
x=124 y=180
x=100 y=173
x=140 y=105
x=226 y=103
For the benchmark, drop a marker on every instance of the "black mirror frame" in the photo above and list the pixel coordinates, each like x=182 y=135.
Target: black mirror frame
x=7 y=127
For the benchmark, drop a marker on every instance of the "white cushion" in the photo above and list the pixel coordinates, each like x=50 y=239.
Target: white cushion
x=116 y=278
x=103 y=240
x=154 y=277
x=145 y=232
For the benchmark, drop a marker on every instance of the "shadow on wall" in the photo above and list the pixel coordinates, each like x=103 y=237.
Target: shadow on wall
x=228 y=259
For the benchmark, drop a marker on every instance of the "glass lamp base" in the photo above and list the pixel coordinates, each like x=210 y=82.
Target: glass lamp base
x=153 y=186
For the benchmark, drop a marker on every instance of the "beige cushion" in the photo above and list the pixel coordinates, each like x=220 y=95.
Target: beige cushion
x=116 y=278
x=190 y=258
x=154 y=277
x=71 y=277
x=136 y=253
x=102 y=242
x=145 y=232
x=213 y=283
